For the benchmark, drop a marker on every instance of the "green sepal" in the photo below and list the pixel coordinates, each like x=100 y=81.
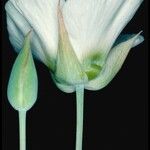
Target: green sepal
x=23 y=82
x=68 y=68
x=63 y=86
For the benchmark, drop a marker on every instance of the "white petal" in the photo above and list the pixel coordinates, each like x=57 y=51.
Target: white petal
x=117 y=24
x=42 y=18
x=18 y=27
x=15 y=36
x=89 y=22
x=113 y=64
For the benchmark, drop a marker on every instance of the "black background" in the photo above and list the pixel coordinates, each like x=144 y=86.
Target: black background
x=115 y=118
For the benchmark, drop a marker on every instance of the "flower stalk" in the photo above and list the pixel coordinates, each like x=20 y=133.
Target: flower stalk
x=79 y=121
x=22 y=129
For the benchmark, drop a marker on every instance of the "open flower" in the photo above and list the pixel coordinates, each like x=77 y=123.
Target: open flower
x=77 y=40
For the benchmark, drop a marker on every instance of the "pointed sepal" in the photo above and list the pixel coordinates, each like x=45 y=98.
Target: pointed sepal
x=68 y=68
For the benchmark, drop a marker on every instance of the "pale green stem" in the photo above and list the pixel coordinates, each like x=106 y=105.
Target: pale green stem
x=22 y=129
x=79 y=122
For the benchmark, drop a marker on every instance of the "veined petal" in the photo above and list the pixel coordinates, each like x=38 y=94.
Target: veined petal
x=41 y=16
x=92 y=23
x=18 y=27
x=113 y=64
x=123 y=15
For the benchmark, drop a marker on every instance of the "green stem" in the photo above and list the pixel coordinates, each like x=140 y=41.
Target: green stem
x=22 y=129
x=79 y=122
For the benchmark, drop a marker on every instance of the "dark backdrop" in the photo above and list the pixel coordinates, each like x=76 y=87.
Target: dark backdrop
x=115 y=118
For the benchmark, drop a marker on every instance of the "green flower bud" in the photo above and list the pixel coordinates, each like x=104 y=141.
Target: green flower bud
x=23 y=83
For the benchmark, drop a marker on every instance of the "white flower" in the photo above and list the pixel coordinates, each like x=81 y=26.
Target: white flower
x=78 y=41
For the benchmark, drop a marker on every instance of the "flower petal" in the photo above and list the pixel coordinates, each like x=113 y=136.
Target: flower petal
x=18 y=27
x=90 y=23
x=123 y=15
x=41 y=16
x=114 y=62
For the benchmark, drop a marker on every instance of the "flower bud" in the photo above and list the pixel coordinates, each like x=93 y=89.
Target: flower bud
x=23 y=83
